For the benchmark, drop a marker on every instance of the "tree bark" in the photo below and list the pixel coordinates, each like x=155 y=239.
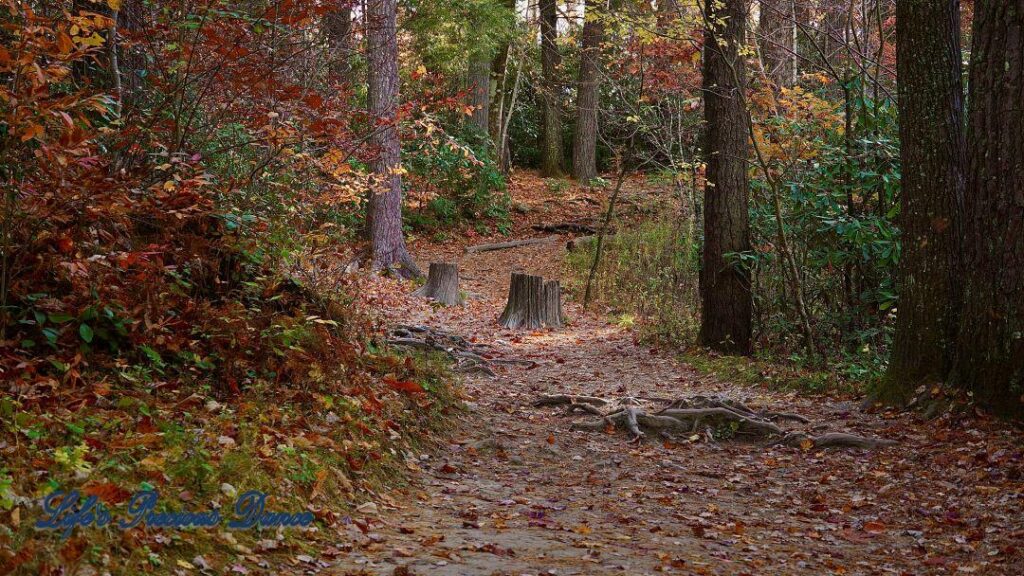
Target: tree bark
x=479 y=86
x=387 y=244
x=525 y=303
x=532 y=303
x=777 y=38
x=584 y=153
x=338 y=26
x=551 y=113
x=552 y=304
x=933 y=157
x=442 y=284
x=990 y=350
x=725 y=286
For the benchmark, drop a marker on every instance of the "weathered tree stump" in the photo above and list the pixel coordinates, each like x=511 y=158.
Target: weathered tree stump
x=552 y=304
x=532 y=303
x=442 y=284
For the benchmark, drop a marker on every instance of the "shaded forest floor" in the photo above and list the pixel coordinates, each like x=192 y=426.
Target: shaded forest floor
x=516 y=492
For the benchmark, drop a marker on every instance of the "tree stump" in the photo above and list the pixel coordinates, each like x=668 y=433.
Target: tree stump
x=532 y=303
x=442 y=284
x=553 y=304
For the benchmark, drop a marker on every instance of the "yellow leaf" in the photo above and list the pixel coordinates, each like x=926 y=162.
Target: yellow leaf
x=152 y=463
x=115 y=5
x=185 y=565
x=807 y=444
x=94 y=40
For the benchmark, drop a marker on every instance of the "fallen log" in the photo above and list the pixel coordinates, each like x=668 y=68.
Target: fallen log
x=566 y=228
x=511 y=244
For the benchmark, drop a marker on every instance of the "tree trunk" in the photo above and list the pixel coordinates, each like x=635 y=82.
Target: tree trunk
x=834 y=31
x=551 y=130
x=442 y=284
x=933 y=157
x=725 y=285
x=777 y=38
x=584 y=153
x=478 y=82
x=990 y=349
x=338 y=26
x=499 y=88
x=532 y=303
x=387 y=245
x=131 y=57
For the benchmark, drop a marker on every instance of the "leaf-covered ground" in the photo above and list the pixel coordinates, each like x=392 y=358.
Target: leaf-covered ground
x=510 y=489
x=515 y=492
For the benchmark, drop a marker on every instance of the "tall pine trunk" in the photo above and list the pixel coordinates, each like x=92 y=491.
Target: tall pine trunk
x=387 y=245
x=727 y=305
x=990 y=348
x=584 y=151
x=933 y=157
x=478 y=82
x=777 y=38
x=551 y=113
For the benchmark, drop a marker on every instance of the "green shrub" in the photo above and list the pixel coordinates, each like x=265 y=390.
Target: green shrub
x=458 y=173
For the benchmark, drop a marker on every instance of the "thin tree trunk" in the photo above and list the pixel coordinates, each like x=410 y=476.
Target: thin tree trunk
x=338 y=25
x=387 y=244
x=499 y=80
x=990 y=350
x=725 y=285
x=777 y=37
x=623 y=170
x=933 y=158
x=551 y=130
x=131 y=58
x=504 y=158
x=584 y=155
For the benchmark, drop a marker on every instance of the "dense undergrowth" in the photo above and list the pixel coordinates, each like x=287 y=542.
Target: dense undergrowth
x=836 y=212
x=172 y=316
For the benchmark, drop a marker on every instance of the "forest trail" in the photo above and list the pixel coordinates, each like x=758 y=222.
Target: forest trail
x=515 y=492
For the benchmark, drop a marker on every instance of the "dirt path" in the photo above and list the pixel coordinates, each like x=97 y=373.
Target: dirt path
x=517 y=493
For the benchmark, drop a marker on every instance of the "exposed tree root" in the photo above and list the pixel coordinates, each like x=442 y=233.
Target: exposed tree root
x=560 y=399
x=468 y=356
x=833 y=440
x=716 y=417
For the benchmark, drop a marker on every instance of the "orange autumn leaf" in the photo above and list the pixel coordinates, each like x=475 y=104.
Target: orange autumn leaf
x=403 y=385
x=107 y=492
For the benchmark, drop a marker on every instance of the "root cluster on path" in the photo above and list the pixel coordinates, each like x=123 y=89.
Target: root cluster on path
x=468 y=356
x=713 y=417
